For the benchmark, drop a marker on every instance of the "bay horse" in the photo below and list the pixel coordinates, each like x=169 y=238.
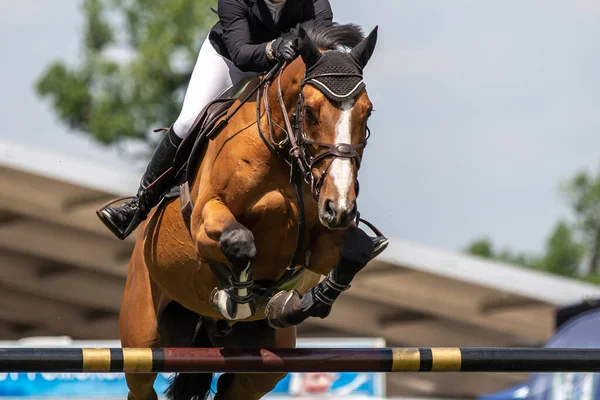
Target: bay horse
x=223 y=277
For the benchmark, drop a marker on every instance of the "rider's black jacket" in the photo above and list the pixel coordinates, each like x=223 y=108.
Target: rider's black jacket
x=245 y=27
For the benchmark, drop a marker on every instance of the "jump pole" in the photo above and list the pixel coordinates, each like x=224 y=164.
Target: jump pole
x=423 y=359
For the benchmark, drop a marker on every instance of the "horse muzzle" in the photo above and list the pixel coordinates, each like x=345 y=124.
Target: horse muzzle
x=336 y=215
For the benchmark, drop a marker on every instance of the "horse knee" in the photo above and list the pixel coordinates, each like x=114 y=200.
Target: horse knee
x=237 y=243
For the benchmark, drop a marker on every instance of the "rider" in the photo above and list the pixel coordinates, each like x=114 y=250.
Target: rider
x=247 y=39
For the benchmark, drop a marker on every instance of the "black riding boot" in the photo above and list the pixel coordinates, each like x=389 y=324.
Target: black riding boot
x=124 y=219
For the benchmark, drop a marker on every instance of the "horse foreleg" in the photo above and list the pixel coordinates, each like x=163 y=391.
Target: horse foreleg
x=290 y=308
x=222 y=239
x=252 y=386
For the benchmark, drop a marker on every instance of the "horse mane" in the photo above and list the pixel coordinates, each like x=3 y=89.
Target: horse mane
x=328 y=35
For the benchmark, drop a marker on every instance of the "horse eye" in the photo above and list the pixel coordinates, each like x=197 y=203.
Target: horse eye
x=310 y=116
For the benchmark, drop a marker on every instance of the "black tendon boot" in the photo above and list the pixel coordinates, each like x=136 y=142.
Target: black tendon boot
x=124 y=219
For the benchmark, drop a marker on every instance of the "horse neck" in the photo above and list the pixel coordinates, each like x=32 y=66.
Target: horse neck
x=291 y=79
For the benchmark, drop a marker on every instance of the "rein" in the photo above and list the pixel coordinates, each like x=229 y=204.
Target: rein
x=294 y=178
x=302 y=160
x=298 y=158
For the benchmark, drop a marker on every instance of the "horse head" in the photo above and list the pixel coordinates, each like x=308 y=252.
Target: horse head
x=332 y=114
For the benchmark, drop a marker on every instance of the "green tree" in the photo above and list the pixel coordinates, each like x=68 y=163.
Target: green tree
x=564 y=254
x=584 y=194
x=567 y=245
x=137 y=57
x=483 y=247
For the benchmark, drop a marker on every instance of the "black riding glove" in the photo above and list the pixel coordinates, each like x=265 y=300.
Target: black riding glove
x=285 y=48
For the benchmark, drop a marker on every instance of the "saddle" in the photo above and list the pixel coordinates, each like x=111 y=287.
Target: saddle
x=189 y=153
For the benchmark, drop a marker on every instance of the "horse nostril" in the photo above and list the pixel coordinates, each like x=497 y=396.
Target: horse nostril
x=329 y=208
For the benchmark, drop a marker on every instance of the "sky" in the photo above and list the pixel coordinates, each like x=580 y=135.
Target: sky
x=482 y=109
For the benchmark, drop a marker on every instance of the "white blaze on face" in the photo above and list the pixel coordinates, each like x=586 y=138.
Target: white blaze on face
x=341 y=168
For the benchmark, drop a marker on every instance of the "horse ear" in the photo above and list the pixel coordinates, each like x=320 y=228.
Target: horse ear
x=364 y=50
x=308 y=50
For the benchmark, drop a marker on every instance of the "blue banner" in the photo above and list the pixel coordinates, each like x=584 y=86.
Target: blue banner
x=76 y=384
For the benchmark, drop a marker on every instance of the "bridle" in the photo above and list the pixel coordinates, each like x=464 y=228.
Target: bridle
x=294 y=151
x=333 y=150
x=303 y=159
x=339 y=77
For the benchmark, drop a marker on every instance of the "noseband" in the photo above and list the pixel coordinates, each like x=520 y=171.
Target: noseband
x=303 y=160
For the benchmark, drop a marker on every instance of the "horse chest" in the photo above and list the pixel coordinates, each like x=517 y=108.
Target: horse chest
x=279 y=209
x=273 y=220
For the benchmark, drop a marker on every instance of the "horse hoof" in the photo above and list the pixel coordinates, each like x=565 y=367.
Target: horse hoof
x=222 y=302
x=275 y=312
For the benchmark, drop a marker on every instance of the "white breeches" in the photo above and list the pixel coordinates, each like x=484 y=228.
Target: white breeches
x=212 y=75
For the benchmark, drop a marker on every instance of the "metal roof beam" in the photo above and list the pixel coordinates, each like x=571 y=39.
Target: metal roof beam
x=72 y=285
x=74 y=203
x=82 y=217
x=361 y=318
x=57 y=317
x=451 y=300
x=486 y=274
x=66 y=246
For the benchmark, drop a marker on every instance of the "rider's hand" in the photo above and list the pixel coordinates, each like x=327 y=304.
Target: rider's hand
x=285 y=48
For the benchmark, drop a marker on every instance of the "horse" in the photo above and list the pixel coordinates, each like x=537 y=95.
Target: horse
x=278 y=183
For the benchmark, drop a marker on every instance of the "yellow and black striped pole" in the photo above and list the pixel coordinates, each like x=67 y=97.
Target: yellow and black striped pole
x=423 y=359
